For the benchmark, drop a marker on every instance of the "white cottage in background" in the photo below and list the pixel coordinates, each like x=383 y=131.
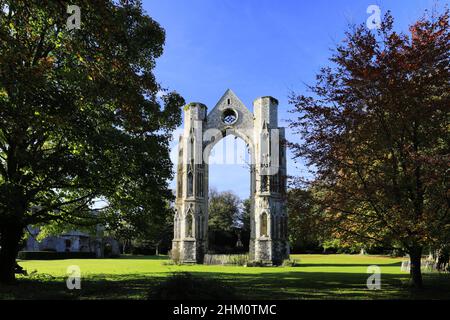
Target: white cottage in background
x=73 y=241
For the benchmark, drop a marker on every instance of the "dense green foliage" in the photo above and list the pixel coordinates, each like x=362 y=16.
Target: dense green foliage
x=81 y=118
x=50 y=255
x=225 y=221
x=305 y=228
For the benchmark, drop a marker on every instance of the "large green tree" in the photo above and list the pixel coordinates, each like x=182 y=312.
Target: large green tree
x=305 y=221
x=224 y=210
x=81 y=117
x=225 y=219
x=245 y=223
x=376 y=130
x=138 y=227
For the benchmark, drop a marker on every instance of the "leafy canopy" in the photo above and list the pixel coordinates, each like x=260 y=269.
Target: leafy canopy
x=82 y=116
x=376 y=129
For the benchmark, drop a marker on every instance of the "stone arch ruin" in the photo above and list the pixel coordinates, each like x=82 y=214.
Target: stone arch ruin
x=265 y=140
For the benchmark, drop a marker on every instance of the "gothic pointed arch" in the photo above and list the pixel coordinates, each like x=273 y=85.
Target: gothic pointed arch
x=202 y=130
x=264 y=224
x=190 y=183
x=189 y=220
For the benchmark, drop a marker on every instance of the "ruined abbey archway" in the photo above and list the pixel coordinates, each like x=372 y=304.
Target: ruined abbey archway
x=260 y=131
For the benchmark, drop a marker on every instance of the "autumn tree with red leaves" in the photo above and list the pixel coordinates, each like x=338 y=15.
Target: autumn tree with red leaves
x=376 y=131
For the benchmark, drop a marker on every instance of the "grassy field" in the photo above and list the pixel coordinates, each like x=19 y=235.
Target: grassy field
x=316 y=277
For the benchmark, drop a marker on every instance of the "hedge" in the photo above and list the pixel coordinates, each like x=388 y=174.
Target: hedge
x=51 y=255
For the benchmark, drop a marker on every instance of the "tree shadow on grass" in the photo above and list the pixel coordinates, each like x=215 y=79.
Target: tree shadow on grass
x=280 y=285
x=333 y=285
x=315 y=265
x=130 y=286
x=312 y=285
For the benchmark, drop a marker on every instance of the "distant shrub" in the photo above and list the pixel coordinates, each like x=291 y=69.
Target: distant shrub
x=185 y=286
x=175 y=257
x=397 y=253
x=291 y=263
x=226 y=259
x=142 y=250
x=336 y=246
x=52 y=255
x=255 y=264
x=239 y=259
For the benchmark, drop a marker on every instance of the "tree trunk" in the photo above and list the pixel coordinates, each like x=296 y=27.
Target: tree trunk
x=11 y=234
x=415 y=255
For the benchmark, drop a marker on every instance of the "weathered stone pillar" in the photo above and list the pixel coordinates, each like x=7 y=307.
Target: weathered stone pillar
x=269 y=238
x=191 y=199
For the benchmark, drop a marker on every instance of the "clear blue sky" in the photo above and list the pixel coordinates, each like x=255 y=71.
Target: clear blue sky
x=256 y=48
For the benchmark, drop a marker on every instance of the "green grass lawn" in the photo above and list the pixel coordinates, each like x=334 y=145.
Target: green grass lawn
x=316 y=277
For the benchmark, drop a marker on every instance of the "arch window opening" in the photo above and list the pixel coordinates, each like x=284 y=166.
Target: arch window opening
x=229 y=192
x=190 y=184
x=189 y=225
x=229 y=116
x=264 y=232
